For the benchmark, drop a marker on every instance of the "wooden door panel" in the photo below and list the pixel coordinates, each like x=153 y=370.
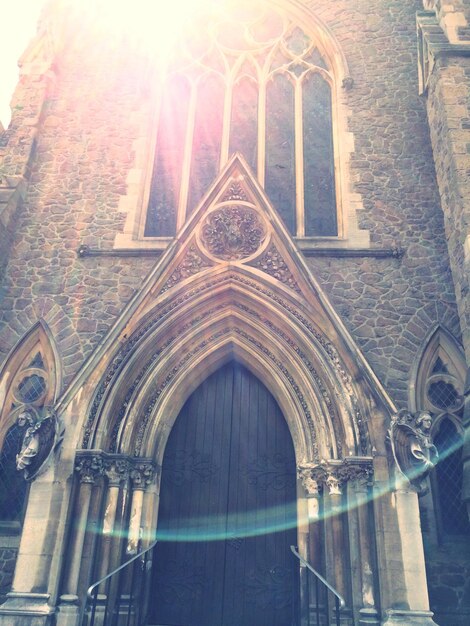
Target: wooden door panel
x=188 y=575
x=259 y=577
x=228 y=472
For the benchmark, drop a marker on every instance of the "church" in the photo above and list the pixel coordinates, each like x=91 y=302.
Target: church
x=235 y=316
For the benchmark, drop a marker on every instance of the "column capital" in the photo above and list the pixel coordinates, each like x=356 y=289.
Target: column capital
x=142 y=473
x=89 y=466
x=311 y=486
x=334 y=473
x=116 y=469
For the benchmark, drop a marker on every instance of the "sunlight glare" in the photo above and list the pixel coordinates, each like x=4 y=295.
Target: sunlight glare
x=155 y=24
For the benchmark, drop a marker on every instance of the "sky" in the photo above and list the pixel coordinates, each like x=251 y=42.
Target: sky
x=18 y=20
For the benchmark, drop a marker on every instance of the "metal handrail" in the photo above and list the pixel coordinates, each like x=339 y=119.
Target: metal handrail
x=92 y=587
x=116 y=604
x=342 y=602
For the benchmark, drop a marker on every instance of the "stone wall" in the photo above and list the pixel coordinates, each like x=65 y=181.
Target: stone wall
x=7 y=568
x=448 y=574
x=449 y=120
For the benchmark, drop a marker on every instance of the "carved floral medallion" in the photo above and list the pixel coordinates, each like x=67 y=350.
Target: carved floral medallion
x=231 y=233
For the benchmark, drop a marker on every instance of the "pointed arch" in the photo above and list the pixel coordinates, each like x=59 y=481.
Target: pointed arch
x=438 y=386
x=185 y=336
x=441 y=359
x=316 y=170
x=30 y=375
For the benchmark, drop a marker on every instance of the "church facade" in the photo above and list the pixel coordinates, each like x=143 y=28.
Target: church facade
x=235 y=315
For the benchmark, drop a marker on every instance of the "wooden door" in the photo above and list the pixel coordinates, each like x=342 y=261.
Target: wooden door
x=227 y=513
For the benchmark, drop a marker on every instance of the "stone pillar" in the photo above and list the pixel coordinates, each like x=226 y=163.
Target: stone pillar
x=362 y=555
x=150 y=509
x=334 y=519
x=142 y=476
x=89 y=467
x=116 y=471
x=402 y=575
x=314 y=547
x=29 y=600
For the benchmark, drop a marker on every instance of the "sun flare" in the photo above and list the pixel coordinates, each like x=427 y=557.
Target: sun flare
x=155 y=24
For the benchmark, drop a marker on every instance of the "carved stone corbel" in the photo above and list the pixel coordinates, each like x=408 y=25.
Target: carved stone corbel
x=411 y=446
x=43 y=433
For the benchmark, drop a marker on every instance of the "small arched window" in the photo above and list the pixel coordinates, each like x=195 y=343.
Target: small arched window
x=251 y=80
x=13 y=486
x=448 y=440
x=30 y=381
x=439 y=389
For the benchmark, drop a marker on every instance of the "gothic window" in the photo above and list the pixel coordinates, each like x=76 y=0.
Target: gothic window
x=30 y=380
x=251 y=81
x=13 y=486
x=448 y=440
x=439 y=389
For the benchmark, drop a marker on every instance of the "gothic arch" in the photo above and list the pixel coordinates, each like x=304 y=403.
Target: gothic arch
x=437 y=386
x=34 y=362
x=29 y=379
x=439 y=343
x=185 y=335
x=339 y=80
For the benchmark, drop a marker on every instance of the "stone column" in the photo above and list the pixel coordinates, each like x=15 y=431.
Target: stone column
x=116 y=471
x=31 y=598
x=402 y=575
x=362 y=554
x=142 y=476
x=314 y=554
x=334 y=520
x=150 y=509
x=142 y=473
x=89 y=467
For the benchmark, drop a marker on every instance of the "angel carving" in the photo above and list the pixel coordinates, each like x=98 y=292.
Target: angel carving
x=41 y=437
x=413 y=451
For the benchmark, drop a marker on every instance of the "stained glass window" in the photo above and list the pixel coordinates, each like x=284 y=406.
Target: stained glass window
x=247 y=79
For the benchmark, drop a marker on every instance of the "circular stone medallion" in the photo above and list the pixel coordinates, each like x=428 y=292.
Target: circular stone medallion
x=233 y=232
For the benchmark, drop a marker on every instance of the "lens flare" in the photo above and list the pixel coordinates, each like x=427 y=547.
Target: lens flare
x=265 y=521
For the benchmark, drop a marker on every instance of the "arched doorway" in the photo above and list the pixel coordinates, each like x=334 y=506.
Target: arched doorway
x=227 y=514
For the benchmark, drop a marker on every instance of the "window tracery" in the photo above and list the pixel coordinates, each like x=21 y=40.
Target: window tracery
x=439 y=389
x=30 y=380
x=251 y=81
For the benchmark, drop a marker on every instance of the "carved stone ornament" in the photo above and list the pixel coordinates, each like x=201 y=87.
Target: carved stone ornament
x=235 y=192
x=310 y=485
x=335 y=473
x=192 y=264
x=89 y=465
x=42 y=435
x=273 y=264
x=231 y=233
x=413 y=451
x=116 y=469
x=142 y=474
